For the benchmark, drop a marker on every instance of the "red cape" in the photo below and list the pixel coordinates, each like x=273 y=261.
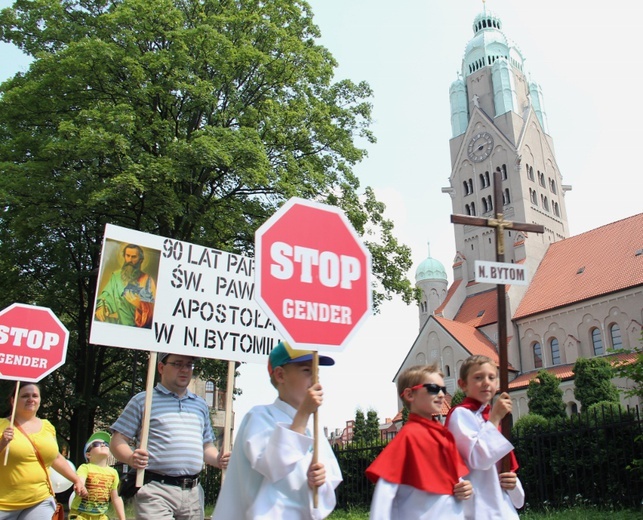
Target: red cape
x=474 y=406
x=423 y=455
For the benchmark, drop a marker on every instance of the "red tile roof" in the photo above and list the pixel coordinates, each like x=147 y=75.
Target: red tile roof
x=480 y=309
x=450 y=293
x=565 y=372
x=601 y=261
x=470 y=338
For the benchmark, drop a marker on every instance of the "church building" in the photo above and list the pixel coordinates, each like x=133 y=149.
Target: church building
x=585 y=294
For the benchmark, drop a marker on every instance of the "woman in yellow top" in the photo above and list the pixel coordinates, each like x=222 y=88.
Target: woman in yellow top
x=24 y=490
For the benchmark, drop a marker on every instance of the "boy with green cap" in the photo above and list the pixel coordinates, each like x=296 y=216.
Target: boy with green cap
x=271 y=472
x=101 y=482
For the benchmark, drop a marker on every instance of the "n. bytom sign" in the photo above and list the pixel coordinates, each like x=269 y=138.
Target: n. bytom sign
x=501 y=273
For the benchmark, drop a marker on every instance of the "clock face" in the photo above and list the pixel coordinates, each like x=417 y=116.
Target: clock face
x=480 y=146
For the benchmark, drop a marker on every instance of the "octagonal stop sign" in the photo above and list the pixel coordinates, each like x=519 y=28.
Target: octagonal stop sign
x=313 y=275
x=33 y=342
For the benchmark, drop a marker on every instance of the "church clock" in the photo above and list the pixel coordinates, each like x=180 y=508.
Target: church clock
x=480 y=146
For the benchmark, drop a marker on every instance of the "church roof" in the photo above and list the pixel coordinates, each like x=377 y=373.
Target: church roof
x=488 y=44
x=566 y=372
x=470 y=338
x=430 y=269
x=601 y=261
x=479 y=309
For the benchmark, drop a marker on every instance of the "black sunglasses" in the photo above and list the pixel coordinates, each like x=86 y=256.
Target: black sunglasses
x=97 y=444
x=432 y=388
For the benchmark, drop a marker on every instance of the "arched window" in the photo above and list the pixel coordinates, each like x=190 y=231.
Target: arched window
x=538 y=356
x=552 y=185
x=447 y=370
x=473 y=208
x=504 y=172
x=597 y=342
x=485 y=207
x=209 y=393
x=470 y=181
x=555 y=351
x=533 y=196
x=544 y=202
x=466 y=188
x=556 y=209
x=615 y=334
x=505 y=197
x=467 y=209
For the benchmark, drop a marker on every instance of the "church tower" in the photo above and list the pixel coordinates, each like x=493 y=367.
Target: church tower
x=499 y=122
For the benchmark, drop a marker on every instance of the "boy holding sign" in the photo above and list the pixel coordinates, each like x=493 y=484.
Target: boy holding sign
x=271 y=473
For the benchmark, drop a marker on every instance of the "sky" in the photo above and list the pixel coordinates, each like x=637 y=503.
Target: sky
x=588 y=63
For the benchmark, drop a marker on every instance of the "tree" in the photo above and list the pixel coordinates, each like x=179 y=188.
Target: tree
x=458 y=397
x=372 y=431
x=593 y=382
x=191 y=119
x=359 y=428
x=632 y=371
x=545 y=396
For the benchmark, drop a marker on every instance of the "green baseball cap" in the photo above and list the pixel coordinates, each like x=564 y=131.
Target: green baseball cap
x=283 y=354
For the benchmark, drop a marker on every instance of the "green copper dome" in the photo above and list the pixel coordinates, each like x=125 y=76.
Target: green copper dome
x=430 y=269
x=489 y=44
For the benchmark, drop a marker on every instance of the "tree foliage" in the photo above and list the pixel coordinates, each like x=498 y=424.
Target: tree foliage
x=458 y=397
x=593 y=382
x=359 y=428
x=545 y=396
x=633 y=371
x=191 y=119
x=372 y=426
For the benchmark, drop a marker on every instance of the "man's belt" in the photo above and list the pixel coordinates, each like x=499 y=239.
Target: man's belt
x=187 y=482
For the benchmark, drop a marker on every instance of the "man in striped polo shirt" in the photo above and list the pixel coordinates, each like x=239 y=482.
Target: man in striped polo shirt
x=180 y=440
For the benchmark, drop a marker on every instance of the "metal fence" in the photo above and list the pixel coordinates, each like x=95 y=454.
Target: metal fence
x=586 y=459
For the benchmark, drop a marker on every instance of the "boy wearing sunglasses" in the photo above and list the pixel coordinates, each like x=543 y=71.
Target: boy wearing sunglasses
x=419 y=473
x=474 y=424
x=101 y=482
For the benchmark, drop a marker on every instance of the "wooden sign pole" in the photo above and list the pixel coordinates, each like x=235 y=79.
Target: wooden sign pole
x=227 y=426
x=145 y=427
x=13 y=416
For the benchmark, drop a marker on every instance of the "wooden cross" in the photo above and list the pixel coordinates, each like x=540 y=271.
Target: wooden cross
x=499 y=224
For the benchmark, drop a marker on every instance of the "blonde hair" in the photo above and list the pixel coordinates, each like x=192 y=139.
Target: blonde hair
x=414 y=376
x=472 y=362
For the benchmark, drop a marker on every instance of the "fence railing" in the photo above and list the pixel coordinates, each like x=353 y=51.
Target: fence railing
x=586 y=459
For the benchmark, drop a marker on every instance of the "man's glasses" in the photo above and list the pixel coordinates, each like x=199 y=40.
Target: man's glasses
x=98 y=444
x=432 y=388
x=181 y=366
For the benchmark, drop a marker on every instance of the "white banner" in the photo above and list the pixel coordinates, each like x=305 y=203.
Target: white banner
x=165 y=295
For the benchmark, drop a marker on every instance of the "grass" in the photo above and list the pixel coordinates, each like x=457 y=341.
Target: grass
x=580 y=513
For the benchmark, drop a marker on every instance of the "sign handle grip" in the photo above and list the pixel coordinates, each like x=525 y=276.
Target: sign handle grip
x=315 y=426
x=13 y=416
x=145 y=427
x=227 y=427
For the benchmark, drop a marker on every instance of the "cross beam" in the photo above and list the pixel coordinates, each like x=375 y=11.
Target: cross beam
x=499 y=224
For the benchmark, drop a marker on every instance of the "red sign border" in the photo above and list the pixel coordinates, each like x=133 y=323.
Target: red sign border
x=65 y=341
x=293 y=201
